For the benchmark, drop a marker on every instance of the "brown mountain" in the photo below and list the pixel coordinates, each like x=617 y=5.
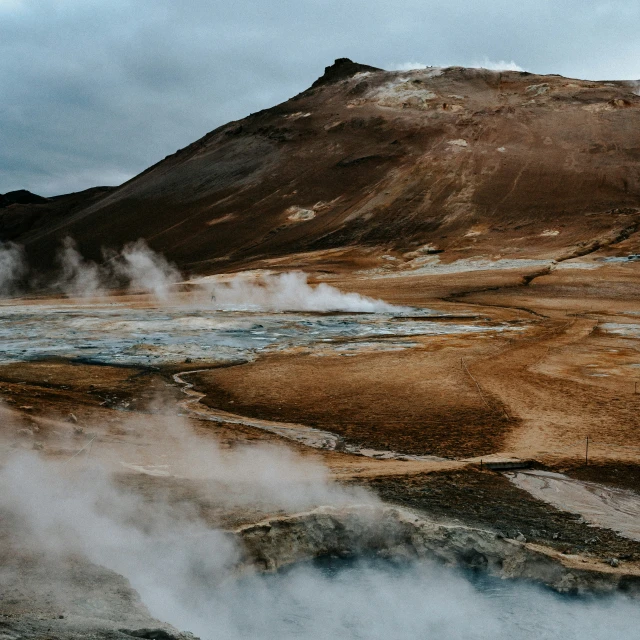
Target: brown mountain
x=366 y=162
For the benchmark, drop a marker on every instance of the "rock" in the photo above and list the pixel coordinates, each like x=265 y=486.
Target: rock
x=520 y=537
x=614 y=562
x=153 y=634
x=397 y=533
x=26 y=407
x=72 y=418
x=340 y=444
x=341 y=69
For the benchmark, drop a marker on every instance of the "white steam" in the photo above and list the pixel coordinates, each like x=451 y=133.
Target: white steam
x=183 y=568
x=173 y=558
x=491 y=65
x=496 y=65
x=146 y=270
x=288 y=292
x=407 y=66
x=183 y=571
x=141 y=269
x=78 y=278
x=137 y=266
x=13 y=267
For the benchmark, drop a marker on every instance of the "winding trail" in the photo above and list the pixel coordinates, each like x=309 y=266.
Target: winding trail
x=308 y=436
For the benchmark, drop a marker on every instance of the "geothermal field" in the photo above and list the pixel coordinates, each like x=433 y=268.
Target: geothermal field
x=363 y=365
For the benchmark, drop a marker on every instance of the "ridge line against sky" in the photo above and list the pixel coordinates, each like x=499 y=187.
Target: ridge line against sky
x=92 y=93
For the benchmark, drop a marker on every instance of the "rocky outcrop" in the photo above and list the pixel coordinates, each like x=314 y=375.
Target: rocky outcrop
x=341 y=69
x=390 y=532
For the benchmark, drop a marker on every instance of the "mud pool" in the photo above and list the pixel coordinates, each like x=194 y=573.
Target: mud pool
x=120 y=334
x=379 y=600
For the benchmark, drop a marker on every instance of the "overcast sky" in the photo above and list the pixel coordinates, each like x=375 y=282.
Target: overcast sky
x=94 y=91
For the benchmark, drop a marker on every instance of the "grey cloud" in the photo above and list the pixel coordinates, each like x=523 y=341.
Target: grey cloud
x=94 y=92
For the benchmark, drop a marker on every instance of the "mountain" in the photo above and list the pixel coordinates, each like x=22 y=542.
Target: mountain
x=22 y=212
x=367 y=162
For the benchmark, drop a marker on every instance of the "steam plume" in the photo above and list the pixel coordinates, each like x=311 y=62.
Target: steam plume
x=13 y=267
x=79 y=278
x=289 y=292
x=183 y=568
x=145 y=269
x=140 y=268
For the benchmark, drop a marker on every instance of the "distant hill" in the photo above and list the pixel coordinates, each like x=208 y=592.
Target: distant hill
x=23 y=212
x=20 y=197
x=462 y=161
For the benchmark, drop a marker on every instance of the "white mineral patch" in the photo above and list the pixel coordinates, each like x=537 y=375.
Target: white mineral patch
x=298 y=214
x=458 y=143
x=578 y=264
x=621 y=329
x=549 y=233
x=537 y=89
x=406 y=90
x=599 y=505
x=297 y=115
x=432 y=265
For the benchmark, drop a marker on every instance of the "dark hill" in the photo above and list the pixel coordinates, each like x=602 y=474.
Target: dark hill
x=22 y=196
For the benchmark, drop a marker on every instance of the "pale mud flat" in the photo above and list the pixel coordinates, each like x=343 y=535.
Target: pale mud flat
x=600 y=506
x=431 y=265
x=116 y=333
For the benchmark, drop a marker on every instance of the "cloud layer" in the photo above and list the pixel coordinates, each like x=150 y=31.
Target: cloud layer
x=96 y=91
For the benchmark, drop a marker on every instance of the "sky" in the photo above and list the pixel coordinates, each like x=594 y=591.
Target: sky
x=94 y=91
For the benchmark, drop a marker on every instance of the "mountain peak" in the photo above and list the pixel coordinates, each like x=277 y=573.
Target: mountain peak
x=342 y=68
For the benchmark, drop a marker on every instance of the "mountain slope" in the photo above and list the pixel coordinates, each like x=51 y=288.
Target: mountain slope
x=464 y=161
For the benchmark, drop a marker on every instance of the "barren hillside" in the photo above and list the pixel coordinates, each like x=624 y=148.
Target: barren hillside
x=454 y=161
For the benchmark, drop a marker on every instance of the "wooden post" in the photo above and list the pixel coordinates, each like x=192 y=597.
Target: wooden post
x=586 y=453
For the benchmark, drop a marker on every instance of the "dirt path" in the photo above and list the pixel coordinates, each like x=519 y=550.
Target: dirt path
x=557 y=409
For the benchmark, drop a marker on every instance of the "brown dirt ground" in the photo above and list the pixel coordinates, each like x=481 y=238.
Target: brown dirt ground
x=545 y=389
x=541 y=400
x=418 y=402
